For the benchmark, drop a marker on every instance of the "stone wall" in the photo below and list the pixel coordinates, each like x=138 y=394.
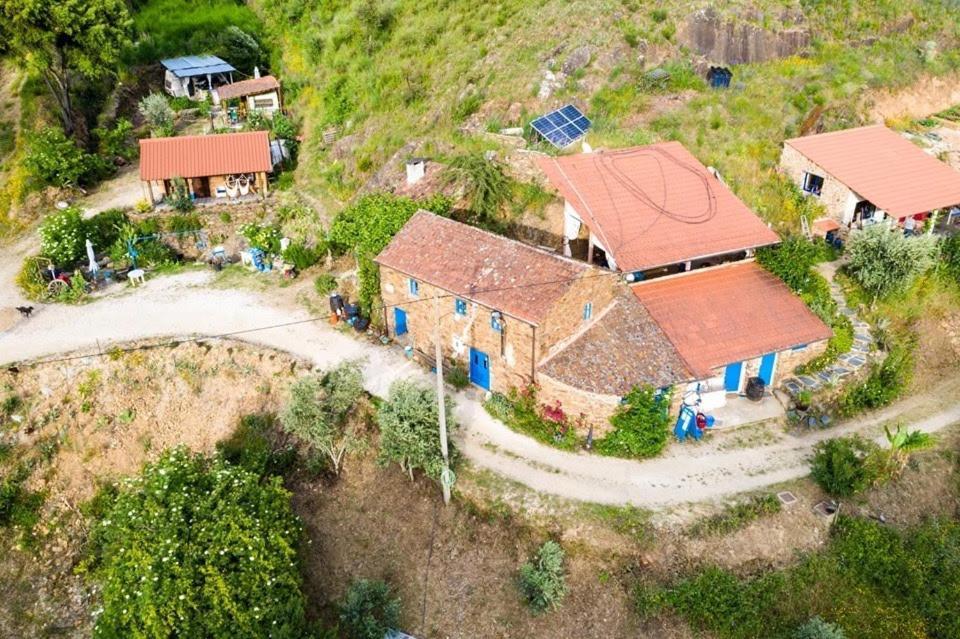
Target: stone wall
x=566 y=317
x=837 y=199
x=596 y=409
x=510 y=352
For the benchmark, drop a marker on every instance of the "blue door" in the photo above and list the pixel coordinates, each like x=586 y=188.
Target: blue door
x=480 y=369
x=766 y=368
x=399 y=321
x=731 y=377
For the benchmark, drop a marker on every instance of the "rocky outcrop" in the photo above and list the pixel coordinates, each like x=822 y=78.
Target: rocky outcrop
x=731 y=42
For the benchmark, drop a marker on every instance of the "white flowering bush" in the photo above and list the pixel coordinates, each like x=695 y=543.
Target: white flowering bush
x=265 y=237
x=197 y=547
x=63 y=237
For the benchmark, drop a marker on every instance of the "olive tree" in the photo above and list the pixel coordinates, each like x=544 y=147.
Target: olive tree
x=158 y=113
x=319 y=408
x=410 y=429
x=886 y=261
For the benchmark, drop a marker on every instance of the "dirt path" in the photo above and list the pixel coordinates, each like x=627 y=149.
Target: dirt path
x=121 y=191
x=185 y=305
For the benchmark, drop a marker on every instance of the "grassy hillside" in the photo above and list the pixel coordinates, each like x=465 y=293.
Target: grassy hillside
x=386 y=73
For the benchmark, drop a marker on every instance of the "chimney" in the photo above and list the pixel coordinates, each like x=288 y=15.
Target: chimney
x=416 y=169
x=256 y=72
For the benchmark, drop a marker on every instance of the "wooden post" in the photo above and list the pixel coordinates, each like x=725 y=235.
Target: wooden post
x=263 y=178
x=590 y=249
x=441 y=409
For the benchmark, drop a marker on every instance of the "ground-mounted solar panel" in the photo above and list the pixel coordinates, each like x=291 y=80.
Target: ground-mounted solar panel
x=562 y=127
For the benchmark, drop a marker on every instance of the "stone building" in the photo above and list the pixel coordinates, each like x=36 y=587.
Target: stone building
x=225 y=166
x=866 y=175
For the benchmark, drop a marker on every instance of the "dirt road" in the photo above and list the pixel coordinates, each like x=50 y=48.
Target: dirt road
x=184 y=305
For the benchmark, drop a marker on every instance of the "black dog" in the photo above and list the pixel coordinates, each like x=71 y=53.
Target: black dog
x=26 y=311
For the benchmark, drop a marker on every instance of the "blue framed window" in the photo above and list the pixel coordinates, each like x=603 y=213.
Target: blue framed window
x=799 y=347
x=414 y=286
x=460 y=306
x=496 y=321
x=587 y=311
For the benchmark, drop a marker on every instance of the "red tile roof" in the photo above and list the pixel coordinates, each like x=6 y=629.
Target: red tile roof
x=622 y=348
x=885 y=168
x=204 y=155
x=728 y=314
x=497 y=272
x=253 y=86
x=655 y=205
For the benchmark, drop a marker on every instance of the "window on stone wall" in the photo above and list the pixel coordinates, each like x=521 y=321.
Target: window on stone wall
x=587 y=311
x=413 y=286
x=263 y=103
x=812 y=183
x=460 y=306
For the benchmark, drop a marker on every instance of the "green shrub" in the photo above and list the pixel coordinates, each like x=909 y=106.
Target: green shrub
x=250 y=447
x=318 y=409
x=63 y=237
x=950 y=255
x=103 y=229
x=486 y=186
x=265 y=237
x=189 y=223
x=301 y=256
x=817 y=628
x=53 y=158
x=181 y=200
x=408 y=429
x=840 y=466
x=19 y=507
x=641 y=426
x=737 y=516
x=197 y=547
x=521 y=410
x=324 y=284
x=885 y=261
x=369 y=610
x=118 y=141
x=542 y=581
x=886 y=382
x=30 y=278
x=467 y=106
x=457 y=376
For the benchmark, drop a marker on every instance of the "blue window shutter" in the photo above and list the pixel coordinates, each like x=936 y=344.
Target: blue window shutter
x=587 y=310
x=414 y=286
x=460 y=306
x=494 y=324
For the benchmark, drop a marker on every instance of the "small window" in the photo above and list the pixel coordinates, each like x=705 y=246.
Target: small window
x=496 y=321
x=587 y=311
x=414 y=286
x=812 y=183
x=460 y=306
x=799 y=347
x=263 y=103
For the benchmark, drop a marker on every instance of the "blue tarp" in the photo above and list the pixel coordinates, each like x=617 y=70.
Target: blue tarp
x=193 y=65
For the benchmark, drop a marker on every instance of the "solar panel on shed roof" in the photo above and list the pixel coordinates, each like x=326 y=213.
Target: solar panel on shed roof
x=562 y=127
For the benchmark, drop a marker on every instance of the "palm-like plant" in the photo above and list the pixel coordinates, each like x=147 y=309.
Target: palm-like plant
x=903 y=443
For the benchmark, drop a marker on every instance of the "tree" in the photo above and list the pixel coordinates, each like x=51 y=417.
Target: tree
x=891 y=461
x=240 y=48
x=63 y=237
x=158 y=113
x=55 y=159
x=410 y=429
x=486 y=185
x=885 y=261
x=62 y=39
x=318 y=411
x=542 y=580
x=197 y=547
x=369 y=610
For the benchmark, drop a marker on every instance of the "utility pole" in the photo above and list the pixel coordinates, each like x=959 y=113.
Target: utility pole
x=446 y=477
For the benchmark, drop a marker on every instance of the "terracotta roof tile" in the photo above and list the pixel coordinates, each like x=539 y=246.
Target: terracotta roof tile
x=623 y=348
x=622 y=195
x=885 y=168
x=495 y=271
x=727 y=314
x=204 y=155
x=252 y=86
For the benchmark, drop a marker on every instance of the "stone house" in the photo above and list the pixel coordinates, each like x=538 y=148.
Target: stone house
x=514 y=314
x=215 y=167
x=870 y=174
x=684 y=243
x=256 y=94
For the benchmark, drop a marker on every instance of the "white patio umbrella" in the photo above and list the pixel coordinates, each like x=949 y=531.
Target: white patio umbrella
x=91 y=256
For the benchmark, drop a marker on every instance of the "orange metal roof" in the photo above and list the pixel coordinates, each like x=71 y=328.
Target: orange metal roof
x=500 y=273
x=885 y=168
x=728 y=314
x=655 y=205
x=204 y=155
x=252 y=86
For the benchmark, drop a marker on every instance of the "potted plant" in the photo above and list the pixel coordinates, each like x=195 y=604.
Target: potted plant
x=803 y=400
